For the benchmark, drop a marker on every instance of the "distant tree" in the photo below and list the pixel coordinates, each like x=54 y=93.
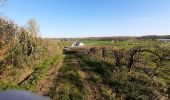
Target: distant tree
x=32 y=27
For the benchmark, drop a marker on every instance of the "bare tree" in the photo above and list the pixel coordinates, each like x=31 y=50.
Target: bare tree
x=104 y=52
x=134 y=56
x=93 y=50
x=119 y=56
x=32 y=27
x=160 y=56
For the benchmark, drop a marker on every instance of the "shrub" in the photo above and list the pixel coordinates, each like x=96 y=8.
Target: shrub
x=21 y=48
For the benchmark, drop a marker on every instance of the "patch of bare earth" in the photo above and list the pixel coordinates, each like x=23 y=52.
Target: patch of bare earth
x=91 y=87
x=46 y=83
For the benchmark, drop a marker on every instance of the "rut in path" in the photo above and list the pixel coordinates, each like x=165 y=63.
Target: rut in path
x=46 y=83
x=93 y=91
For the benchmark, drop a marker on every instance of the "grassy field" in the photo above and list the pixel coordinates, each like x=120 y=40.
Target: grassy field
x=116 y=82
x=90 y=77
x=124 y=44
x=99 y=43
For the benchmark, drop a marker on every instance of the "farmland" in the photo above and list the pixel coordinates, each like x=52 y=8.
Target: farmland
x=111 y=81
x=84 y=50
x=105 y=68
x=94 y=72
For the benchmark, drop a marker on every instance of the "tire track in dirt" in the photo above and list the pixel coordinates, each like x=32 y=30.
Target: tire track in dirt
x=27 y=77
x=46 y=83
x=93 y=91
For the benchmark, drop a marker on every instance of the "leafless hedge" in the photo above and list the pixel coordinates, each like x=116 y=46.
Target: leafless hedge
x=20 y=48
x=134 y=56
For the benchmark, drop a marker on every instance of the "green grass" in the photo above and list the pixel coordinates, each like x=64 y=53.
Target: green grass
x=92 y=43
x=64 y=43
x=41 y=70
x=124 y=44
x=68 y=85
x=135 y=85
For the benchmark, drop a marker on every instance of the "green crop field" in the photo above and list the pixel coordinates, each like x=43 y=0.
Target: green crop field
x=124 y=44
x=95 y=42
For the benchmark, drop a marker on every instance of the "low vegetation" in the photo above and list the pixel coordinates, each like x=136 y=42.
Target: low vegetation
x=24 y=56
x=68 y=85
x=129 y=74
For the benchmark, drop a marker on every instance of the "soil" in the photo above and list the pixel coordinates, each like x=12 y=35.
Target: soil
x=46 y=83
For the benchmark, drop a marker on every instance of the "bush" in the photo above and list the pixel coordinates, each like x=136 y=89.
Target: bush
x=21 y=48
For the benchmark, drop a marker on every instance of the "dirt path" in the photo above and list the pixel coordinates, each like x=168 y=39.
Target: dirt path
x=46 y=83
x=93 y=91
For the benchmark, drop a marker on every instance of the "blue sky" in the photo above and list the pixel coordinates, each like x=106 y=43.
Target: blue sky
x=86 y=18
